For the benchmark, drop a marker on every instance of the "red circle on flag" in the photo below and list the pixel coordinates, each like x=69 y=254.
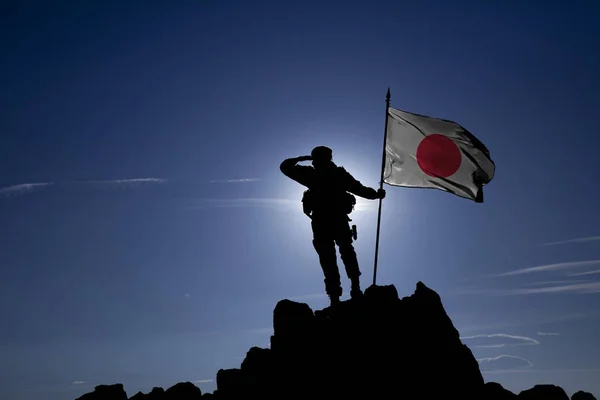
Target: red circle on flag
x=438 y=156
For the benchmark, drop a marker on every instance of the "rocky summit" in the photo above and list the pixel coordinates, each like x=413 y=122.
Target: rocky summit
x=377 y=347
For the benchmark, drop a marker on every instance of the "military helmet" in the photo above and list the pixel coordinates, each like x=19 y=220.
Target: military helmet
x=322 y=153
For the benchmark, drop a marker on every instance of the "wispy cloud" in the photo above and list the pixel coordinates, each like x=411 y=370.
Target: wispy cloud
x=276 y=203
x=548 y=334
x=513 y=340
x=583 y=288
x=504 y=362
x=311 y=296
x=597 y=271
x=246 y=180
x=23 y=188
x=203 y=381
x=576 y=240
x=552 y=267
x=541 y=371
x=261 y=331
x=79 y=382
x=558 y=282
x=126 y=181
x=580 y=288
x=529 y=320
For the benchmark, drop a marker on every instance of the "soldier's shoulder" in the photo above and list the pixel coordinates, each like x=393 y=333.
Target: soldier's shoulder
x=341 y=170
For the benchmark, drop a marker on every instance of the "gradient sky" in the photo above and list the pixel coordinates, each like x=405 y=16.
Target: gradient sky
x=146 y=232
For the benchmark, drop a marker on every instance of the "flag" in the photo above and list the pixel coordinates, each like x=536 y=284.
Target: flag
x=425 y=152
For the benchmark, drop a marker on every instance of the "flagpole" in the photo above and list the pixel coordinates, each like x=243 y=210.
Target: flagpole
x=387 y=106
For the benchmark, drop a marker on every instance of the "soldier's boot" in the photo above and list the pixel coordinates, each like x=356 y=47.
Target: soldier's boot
x=355 y=291
x=334 y=292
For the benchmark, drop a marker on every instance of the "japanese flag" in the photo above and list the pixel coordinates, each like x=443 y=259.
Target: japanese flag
x=425 y=152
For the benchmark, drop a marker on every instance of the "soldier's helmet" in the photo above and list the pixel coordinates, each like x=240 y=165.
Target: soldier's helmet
x=322 y=154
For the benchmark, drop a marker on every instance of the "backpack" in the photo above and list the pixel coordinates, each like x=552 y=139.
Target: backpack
x=345 y=202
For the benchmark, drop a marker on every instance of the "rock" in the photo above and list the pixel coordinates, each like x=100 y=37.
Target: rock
x=543 y=392
x=183 y=391
x=581 y=395
x=157 y=393
x=495 y=391
x=373 y=347
x=179 y=391
x=106 y=392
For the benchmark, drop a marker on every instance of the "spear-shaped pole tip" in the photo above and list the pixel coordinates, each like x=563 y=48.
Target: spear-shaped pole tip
x=387 y=96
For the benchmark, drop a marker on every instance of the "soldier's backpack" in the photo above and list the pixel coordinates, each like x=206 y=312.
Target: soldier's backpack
x=345 y=202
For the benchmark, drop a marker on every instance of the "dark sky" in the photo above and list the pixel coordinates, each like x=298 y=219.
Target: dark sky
x=146 y=232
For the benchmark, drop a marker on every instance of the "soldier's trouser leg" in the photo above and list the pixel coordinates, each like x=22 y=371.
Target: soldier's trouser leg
x=347 y=253
x=323 y=242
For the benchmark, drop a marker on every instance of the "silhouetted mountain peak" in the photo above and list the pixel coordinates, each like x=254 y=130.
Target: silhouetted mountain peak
x=378 y=346
x=379 y=343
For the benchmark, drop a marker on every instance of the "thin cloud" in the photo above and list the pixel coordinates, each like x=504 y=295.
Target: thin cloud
x=23 y=188
x=552 y=267
x=582 y=288
x=203 y=381
x=273 y=203
x=79 y=382
x=265 y=330
x=559 y=282
x=311 y=296
x=514 y=340
x=560 y=371
x=532 y=320
x=586 y=273
x=246 y=180
x=576 y=240
x=276 y=203
x=548 y=334
x=505 y=362
x=127 y=181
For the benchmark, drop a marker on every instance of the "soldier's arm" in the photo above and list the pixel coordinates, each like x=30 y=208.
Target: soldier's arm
x=299 y=173
x=355 y=187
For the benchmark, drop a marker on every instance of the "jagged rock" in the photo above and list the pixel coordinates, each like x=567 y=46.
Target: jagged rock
x=183 y=391
x=106 y=392
x=373 y=347
x=543 y=392
x=495 y=391
x=581 y=395
x=179 y=391
x=157 y=393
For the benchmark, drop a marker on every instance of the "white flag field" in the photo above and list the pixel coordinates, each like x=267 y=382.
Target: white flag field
x=425 y=152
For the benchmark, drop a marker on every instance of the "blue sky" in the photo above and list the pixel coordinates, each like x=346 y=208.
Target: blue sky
x=147 y=232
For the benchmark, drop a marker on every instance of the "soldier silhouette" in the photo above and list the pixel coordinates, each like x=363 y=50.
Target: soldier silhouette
x=328 y=201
